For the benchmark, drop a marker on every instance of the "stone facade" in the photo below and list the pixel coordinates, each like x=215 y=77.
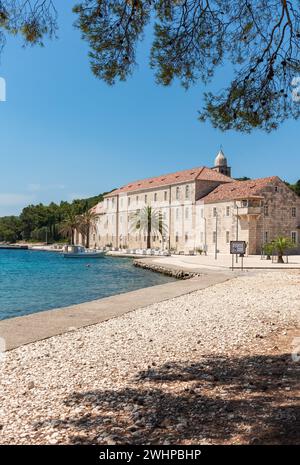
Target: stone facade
x=275 y=212
x=281 y=215
x=200 y=209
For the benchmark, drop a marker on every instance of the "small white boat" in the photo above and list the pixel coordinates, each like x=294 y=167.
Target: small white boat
x=78 y=251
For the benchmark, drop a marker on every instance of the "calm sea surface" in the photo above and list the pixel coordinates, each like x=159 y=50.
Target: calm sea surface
x=32 y=281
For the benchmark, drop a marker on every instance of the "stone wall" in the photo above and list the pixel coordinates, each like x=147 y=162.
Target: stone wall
x=280 y=200
x=175 y=273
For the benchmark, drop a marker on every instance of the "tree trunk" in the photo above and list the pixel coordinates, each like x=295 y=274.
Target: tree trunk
x=149 y=234
x=88 y=238
x=72 y=237
x=280 y=259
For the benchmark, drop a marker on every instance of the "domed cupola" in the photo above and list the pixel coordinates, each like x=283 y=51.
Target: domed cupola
x=220 y=160
x=221 y=164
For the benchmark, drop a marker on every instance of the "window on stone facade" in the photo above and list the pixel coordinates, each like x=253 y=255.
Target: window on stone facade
x=187 y=213
x=166 y=196
x=227 y=237
x=113 y=202
x=227 y=211
x=244 y=203
x=202 y=212
x=276 y=188
x=214 y=212
x=294 y=211
x=266 y=210
x=137 y=199
x=146 y=198
x=266 y=236
x=155 y=197
x=187 y=192
x=214 y=237
x=129 y=201
x=186 y=237
x=177 y=193
x=294 y=237
x=177 y=237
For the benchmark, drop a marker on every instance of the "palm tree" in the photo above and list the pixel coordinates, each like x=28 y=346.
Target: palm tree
x=281 y=244
x=69 y=225
x=87 y=222
x=268 y=249
x=148 y=221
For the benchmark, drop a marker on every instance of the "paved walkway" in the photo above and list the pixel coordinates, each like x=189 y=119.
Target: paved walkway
x=30 y=328
x=199 y=262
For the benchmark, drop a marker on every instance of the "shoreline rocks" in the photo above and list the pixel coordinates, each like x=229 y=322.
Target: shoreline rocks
x=174 y=273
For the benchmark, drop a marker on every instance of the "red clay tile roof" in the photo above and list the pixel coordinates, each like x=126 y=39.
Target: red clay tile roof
x=98 y=208
x=193 y=174
x=238 y=190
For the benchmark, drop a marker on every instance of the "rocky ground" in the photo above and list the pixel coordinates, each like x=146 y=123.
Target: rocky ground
x=211 y=367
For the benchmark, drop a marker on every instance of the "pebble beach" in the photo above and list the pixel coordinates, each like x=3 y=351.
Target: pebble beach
x=210 y=367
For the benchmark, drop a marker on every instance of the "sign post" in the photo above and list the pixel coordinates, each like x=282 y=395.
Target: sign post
x=238 y=248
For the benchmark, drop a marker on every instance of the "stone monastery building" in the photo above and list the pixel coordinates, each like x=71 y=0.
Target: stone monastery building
x=200 y=208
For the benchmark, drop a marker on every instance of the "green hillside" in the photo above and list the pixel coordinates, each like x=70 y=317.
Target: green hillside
x=41 y=222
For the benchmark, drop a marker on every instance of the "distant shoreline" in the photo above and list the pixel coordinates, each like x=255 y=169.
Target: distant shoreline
x=14 y=247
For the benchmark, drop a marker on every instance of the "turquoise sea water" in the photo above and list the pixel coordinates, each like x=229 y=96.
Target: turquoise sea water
x=32 y=281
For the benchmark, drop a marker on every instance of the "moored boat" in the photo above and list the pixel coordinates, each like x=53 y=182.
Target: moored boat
x=78 y=251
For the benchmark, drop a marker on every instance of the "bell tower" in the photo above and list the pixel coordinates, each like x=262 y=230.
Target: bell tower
x=221 y=164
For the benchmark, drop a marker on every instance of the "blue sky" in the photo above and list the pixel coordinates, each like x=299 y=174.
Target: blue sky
x=64 y=134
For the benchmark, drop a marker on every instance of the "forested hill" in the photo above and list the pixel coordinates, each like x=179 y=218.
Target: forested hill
x=295 y=187
x=38 y=222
